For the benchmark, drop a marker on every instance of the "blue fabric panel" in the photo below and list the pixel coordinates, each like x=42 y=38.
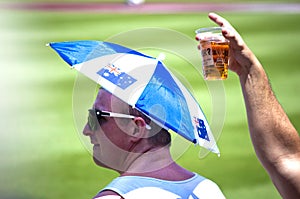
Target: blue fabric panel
x=163 y=100
x=76 y=52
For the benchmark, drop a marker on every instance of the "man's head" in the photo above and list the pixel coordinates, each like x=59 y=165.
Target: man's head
x=115 y=139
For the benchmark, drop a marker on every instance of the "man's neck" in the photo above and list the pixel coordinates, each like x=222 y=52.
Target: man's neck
x=157 y=164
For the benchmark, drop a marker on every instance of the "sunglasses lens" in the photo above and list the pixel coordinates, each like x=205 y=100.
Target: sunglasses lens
x=92 y=120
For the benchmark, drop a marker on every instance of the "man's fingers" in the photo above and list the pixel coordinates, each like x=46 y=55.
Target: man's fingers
x=218 y=19
x=227 y=30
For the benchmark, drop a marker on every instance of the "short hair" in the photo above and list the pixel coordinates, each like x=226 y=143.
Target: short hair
x=158 y=135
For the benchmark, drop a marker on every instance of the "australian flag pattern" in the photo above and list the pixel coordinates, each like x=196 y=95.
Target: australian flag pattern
x=116 y=76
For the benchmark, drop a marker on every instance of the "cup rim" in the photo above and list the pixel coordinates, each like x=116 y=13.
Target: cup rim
x=208 y=29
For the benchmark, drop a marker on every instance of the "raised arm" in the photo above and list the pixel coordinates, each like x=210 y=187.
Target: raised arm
x=275 y=140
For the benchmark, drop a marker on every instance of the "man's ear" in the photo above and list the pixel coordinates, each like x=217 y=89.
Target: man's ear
x=140 y=130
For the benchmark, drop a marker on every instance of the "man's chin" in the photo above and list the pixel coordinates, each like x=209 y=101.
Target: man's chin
x=119 y=168
x=98 y=162
x=101 y=164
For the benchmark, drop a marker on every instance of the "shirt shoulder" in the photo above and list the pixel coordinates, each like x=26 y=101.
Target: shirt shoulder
x=136 y=187
x=208 y=189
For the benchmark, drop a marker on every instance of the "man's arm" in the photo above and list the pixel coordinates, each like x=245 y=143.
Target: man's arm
x=275 y=140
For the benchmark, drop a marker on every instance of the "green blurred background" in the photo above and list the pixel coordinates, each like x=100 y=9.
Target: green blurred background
x=41 y=152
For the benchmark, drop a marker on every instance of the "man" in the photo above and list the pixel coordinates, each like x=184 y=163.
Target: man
x=127 y=141
x=276 y=141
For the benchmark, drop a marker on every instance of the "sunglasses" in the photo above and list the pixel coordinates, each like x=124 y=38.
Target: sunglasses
x=96 y=118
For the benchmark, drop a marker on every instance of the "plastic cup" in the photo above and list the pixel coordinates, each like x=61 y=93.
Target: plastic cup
x=214 y=52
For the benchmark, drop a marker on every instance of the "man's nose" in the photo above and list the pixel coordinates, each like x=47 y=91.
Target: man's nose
x=87 y=131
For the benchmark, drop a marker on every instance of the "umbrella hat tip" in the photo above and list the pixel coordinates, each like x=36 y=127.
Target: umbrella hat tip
x=161 y=57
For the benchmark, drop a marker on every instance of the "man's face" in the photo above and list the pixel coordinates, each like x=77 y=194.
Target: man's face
x=110 y=139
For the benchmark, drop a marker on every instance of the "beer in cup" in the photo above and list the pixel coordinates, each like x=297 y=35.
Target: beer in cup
x=215 y=53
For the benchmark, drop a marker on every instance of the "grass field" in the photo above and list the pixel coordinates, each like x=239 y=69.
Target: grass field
x=43 y=155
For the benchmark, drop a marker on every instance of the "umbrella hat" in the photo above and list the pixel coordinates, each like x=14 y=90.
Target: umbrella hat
x=143 y=82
